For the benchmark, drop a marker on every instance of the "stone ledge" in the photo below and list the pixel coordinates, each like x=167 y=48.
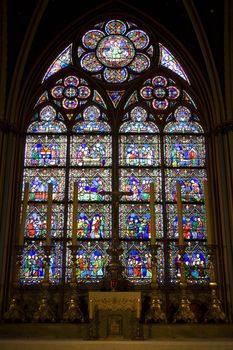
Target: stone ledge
x=80 y=331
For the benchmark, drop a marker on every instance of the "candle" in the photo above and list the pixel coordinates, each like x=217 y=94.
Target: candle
x=75 y=208
x=207 y=210
x=49 y=214
x=138 y=312
x=152 y=213
x=179 y=209
x=23 y=215
x=91 y=311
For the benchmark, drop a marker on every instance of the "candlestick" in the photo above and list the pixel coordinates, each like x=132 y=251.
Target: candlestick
x=152 y=213
x=179 y=209
x=207 y=210
x=49 y=214
x=24 y=212
x=75 y=208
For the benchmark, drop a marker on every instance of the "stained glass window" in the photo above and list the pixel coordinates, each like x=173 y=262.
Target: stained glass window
x=169 y=61
x=185 y=160
x=119 y=117
x=114 y=52
x=63 y=60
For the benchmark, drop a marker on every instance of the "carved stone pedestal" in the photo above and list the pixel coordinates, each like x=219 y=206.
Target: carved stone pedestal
x=115 y=315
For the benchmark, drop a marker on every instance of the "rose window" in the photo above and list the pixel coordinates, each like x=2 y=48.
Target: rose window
x=72 y=92
x=160 y=92
x=114 y=52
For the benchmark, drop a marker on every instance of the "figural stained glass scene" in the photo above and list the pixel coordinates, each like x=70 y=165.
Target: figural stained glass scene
x=116 y=115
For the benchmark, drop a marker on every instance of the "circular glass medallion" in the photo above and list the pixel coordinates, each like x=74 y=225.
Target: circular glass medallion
x=70 y=104
x=140 y=63
x=57 y=91
x=83 y=92
x=91 y=38
x=160 y=105
x=159 y=92
x=139 y=38
x=91 y=63
x=71 y=80
x=70 y=92
x=115 y=51
x=147 y=92
x=159 y=81
x=115 y=27
x=173 y=92
x=115 y=75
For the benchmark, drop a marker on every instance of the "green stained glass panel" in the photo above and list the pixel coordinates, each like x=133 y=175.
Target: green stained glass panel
x=139 y=38
x=140 y=63
x=115 y=75
x=91 y=38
